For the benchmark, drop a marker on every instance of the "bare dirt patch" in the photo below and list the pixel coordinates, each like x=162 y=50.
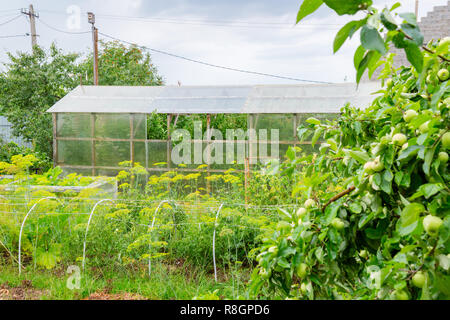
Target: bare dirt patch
x=24 y=292
x=102 y=295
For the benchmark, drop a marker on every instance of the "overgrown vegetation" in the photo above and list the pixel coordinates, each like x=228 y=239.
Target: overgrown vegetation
x=365 y=217
x=33 y=82
x=375 y=222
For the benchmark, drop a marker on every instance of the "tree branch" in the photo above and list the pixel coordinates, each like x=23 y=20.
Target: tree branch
x=338 y=196
x=426 y=48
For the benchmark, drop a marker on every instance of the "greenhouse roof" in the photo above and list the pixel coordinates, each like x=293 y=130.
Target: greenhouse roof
x=323 y=98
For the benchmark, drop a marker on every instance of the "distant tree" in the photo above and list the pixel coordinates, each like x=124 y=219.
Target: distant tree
x=33 y=82
x=30 y=85
x=120 y=65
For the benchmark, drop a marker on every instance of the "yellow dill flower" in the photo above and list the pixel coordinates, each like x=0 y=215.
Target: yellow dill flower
x=123 y=175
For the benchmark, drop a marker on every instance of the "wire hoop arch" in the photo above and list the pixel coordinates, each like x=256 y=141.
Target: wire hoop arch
x=214 y=242
x=87 y=228
x=151 y=229
x=23 y=224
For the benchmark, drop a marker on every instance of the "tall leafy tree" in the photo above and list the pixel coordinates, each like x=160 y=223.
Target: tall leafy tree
x=33 y=82
x=122 y=65
x=30 y=85
x=375 y=223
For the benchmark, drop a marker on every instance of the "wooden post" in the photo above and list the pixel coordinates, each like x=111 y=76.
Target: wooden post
x=96 y=56
x=294 y=134
x=91 y=20
x=55 y=140
x=131 y=139
x=246 y=177
x=169 y=120
x=146 y=142
x=251 y=126
x=169 y=136
x=208 y=145
x=93 y=143
x=32 y=15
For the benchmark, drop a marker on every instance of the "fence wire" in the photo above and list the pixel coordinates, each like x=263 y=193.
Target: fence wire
x=182 y=228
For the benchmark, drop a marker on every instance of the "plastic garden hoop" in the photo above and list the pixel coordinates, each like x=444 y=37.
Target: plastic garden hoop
x=214 y=242
x=151 y=229
x=87 y=227
x=23 y=224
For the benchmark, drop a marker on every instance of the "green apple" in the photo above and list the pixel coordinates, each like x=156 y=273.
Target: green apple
x=400 y=295
x=443 y=157
x=273 y=249
x=418 y=279
x=363 y=254
x=283 y=226
x=424 y=127
x=265 y=274
x=309 y=203
x=368 y=167
x=302 y=270
x=410 y=115
x=429 y=79
x=399 y=139
x=431 y=224
x=389 y=82
x=303 y=288
x=338 y=223
x=446 y=140
x=301 y=212
x=443 y=74
x=444 y=41
x=386 y=139
x=377 y=165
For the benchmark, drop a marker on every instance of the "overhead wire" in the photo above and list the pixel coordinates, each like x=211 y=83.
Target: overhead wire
x=14 y=36
x=186 y=58
x=59 y=30
x=10 y=20
x=213 y=65
x=209 y=22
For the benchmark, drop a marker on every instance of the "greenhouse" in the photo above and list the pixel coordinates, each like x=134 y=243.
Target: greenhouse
x=97 y=127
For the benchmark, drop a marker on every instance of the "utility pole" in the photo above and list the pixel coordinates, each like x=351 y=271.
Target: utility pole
x=417 y=9
x=32 y=15
x=91 y=20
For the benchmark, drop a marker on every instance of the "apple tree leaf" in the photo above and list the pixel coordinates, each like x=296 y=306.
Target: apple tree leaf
x=308 y=7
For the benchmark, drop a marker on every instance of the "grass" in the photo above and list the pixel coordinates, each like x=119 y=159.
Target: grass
x=167 y=282
x=119 y=242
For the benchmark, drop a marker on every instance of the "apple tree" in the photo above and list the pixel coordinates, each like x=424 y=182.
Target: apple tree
x=375 y=219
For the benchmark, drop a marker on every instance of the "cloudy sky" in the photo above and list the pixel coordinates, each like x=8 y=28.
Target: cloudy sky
x=256 y=35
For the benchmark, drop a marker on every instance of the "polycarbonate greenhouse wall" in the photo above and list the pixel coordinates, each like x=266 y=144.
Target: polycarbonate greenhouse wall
x=97 y=127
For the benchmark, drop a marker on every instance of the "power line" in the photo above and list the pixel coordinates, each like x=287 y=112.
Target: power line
x=10 y=10
x=189 y=59
x=10 y=20
x=15 y=36
x=8 y=15
x=231 y=24
x=218 y=23
x=213 y=65
x=59 y=30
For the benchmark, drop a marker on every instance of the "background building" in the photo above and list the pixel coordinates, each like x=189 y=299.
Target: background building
x=435 y=25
